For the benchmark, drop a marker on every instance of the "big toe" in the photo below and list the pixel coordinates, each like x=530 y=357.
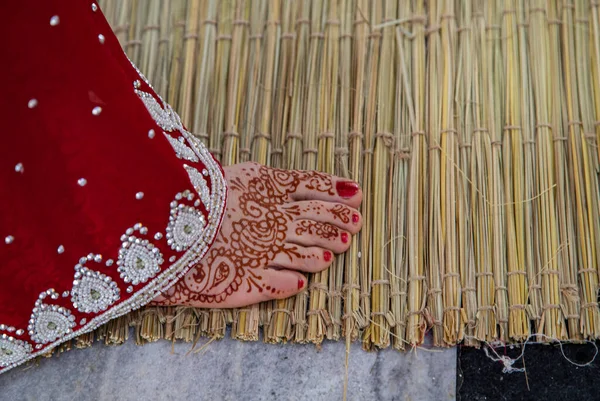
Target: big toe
x=315 y=185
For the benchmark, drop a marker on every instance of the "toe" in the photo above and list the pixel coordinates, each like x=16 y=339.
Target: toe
x=306 y=259
x=280 y=284
x=315 y=185
x=314 y=233
x=337 y=214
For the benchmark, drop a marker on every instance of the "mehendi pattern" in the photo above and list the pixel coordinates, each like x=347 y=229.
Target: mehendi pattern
x=255 y=239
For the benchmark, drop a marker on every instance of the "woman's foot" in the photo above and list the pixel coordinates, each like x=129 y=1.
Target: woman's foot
x=278 y=224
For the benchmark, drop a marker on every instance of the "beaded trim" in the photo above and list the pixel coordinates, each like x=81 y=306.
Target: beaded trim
x=199 y=184
x=13 y=351
x=181 y=149
x=92 y=291
x=49 y=322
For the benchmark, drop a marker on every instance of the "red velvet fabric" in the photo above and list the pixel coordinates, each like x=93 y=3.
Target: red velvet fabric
x=69 y=71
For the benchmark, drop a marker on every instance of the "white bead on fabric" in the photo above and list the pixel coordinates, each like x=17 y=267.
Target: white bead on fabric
x=200 y=185
x=55 y=20
x=163 y=114
x=82 y=182
x=94 y=7
x=151 y=134
x=49 y=322
x=101 y=38
x=97 y=110
x=9 y=239
x=181 y=149
x=93 y=291
x=32 y=103
x=61 y=249
x=139 y=260
x=13 y=351
x=139 y=195
x=19 y=168
x=186 y=225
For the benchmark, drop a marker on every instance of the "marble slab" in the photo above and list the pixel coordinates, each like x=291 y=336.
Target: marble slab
x=234 y=370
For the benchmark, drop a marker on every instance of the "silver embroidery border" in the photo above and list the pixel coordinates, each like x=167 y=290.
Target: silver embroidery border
x=173 y=273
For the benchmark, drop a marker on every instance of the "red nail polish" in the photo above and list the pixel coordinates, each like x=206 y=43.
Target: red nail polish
x=327 y=256
x=355 y=218
x=346 y=189
x=344 y=237
x=300 y=283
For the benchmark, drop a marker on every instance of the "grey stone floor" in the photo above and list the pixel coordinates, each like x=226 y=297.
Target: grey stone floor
x=233 y=370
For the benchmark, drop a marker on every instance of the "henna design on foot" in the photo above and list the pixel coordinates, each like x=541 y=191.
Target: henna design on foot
x=325 y=231
x=259 y=213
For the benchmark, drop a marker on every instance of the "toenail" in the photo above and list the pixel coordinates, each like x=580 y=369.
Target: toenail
x=355 y=218
x=300 y=283
x=346 y=189
x=344 y=237
x=327 y=256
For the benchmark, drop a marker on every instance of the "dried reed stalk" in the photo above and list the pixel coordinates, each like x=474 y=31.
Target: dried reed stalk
x=369 y=17
x=397 y=265
x=342 y=303
x=293 y=142
x=382 y=177
x=583 y=185
x=486 y=194
x=279 y=326
x=513 y=177
x=466 y=86
x=546 y=202
x=451 y=198
x=497 y=118
x=150 y=46
x=354 y=316
x=418 y=184
x=475 y=275
x=317 y=122
x=247 y=320
x=204 y=68
x=330 y=129
x=177 y=39
x=594 y=32
x=435 y=238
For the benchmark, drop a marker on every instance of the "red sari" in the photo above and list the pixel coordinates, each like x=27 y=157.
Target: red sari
x=105 y=198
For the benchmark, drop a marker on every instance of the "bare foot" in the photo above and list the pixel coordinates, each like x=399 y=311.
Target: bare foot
x=277 y=223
